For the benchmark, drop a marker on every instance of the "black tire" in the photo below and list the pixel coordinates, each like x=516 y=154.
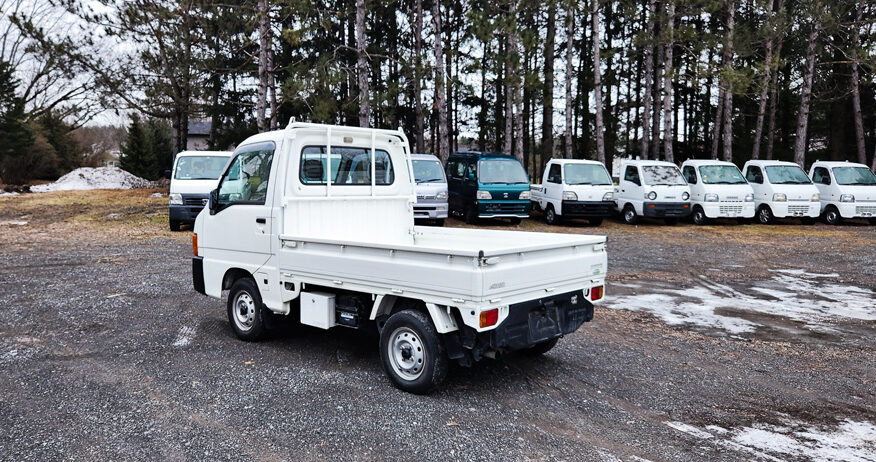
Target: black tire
x=873 y=221
x=471 y=216
x=765 y=215
x=542 y=348
x=699 y=216
x=670 y=221
x=246 y=312
x=595 y=221
x=550 y=215
x=808 y=221
x=535 y=206
x=629 y=215
x=410 y=369
x=832 y=216
x=175 y=225
x=516 y=221
x=439 y=222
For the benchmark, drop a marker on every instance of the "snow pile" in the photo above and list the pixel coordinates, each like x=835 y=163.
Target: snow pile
x=94 y=178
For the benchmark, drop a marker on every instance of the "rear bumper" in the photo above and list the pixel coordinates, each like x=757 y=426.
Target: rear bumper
x=198 y=275
x=666 y=209
x=587 y=209
x=504 y=208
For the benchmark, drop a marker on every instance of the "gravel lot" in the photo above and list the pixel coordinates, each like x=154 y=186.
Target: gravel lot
x=724 y=342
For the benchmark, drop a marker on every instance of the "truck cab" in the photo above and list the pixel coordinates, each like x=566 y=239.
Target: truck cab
x=194 y=175
x=717 y=190
x=653 y=189
x=782 y=190
x=574 y=189
x=487 y=185
x=431 y=189
x=847 y=190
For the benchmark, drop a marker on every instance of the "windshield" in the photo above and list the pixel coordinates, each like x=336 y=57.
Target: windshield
x=199 y=167
x=662 y=175
x=586 y=174
x=428 y=171
x=858 y=176
x=786 y=174
x=721 y=174
x=501 y=171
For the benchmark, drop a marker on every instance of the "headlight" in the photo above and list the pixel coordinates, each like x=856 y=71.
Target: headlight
x=779 y=197
x=749 y=198
x=570 y=196
x=609 y=196
x=847 y=198
x=686 y=195
x=441 y=196
x=484 y=195
x=651 y=196
x=711 y=198
x=815 y=198
x=525 y=195
x=175 y=199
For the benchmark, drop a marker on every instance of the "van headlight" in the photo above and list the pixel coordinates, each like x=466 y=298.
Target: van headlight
x=570 y=196
x=779 y=197
x=686 y=195
x=847 y=198
x=749 y=198
x=525 y=195
x=815 y=197
x=441 y=196
x=709 y=198
x=651 y=196
x=482 y=195
x=175 y=199
x=609 y=196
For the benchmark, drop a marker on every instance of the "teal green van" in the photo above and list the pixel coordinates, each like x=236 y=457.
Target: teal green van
x=487 y=185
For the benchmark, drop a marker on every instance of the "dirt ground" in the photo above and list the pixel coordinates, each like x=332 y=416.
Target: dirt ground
x=723 y=342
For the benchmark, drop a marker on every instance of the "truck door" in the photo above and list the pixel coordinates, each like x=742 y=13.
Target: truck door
x=553 y=187
x=821 y=178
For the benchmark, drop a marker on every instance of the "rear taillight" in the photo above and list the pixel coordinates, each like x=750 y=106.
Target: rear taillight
x=596 y=293
x=195 y=244
x=489 y=317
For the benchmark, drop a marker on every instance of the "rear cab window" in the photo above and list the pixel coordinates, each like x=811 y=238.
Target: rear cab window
x=348 y=166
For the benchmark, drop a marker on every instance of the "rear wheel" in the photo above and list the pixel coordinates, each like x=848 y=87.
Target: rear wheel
x=629 y=215
x=543 y=347
x=595 y=221
x=765 y=215
x=832 y=216
x=246 y=311
x=699 y=216
x=412 y=353
x=175 y=225
x=550 y=215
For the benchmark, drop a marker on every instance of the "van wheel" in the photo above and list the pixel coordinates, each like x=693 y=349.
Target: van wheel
x=246 y=311
x=873 y=221
x=699 y=216
x=595 y=221
x=516 y=221
x=471 y=216
x=550 y=216
x=175 y=225
x=629 y=215
x=670 y=221
x=439 y=222
x=412 y=353
x=765 y=215
x=535 y=206
x=542 y=348
x=832 y=216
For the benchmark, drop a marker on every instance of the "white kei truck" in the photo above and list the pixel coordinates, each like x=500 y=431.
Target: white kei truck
x=651 y=188
x=717 y=190
x=316 y=222
x=574 y=188
x=847 y=191
x=782 y=190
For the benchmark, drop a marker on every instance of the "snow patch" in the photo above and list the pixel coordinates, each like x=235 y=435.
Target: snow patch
x=156 y=195
x=689 y=429
x=86 y=178
x=13 y=223
x=8 y=194
x=184 y=337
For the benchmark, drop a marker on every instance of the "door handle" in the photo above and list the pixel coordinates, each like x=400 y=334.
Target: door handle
x=261 y=221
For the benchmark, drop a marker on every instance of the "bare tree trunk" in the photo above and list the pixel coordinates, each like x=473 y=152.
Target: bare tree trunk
x=728 y=124
x=262 y=102
x=440 y=101
x=725 y=93
x=657 y=104
x=547 y=120
x=856 y=91
x=272 y=81
x=649 y=75
x=597 y=80
x=719 y=116
x=362 y=66
x=418 y=76
x=516 y=90
x=570 y=35
x=774 y=92
x=764 y=87
x=668 y=72
x=806 y=95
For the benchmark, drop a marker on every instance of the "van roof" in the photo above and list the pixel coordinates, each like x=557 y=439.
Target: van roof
x=837 y=163
x=425 y=157
x=482 y=154
x=698 y=162
x=575 y=161
x=762 y=163
x=645 y=162
x=205 y=153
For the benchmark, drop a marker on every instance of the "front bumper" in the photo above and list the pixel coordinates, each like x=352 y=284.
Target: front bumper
x=504 y=208
x=588 y=209
x=666 y=209
x=856 y=209
x=190 y=208
x=198 y=275
x=796 y=209
x=728 y=209
x=432 y=211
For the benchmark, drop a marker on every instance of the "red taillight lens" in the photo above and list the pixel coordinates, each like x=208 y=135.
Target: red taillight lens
x=195 y=244
x=596 y=293
x=489 y=317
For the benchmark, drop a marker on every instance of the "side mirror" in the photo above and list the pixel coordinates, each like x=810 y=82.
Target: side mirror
x=825 y=180
x=167 y=174
x=214 y=201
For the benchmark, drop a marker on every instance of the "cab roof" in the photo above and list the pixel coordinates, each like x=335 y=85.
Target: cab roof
x=205 y=153
x=641 y=162
x=425 y=157
x=837 y=163
x=762 y=163
x=482 y=155
x=699 y=162
x=575 y=161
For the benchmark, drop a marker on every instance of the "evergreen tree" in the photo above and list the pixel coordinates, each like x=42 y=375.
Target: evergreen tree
x=16 y=136
x=137 y=152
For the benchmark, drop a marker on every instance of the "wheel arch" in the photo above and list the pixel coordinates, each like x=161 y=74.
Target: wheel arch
x=232 y=275
x=387 y=305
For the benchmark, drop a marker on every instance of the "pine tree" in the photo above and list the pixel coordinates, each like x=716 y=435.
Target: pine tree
x=137 y=151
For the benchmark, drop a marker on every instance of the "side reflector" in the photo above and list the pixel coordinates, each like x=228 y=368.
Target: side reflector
x=195 y=244
x=595 y=293
x=489 y=317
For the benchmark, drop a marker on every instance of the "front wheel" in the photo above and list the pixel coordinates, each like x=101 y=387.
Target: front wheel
x=412 y=353
x=550 y=216
x=629 y=215
x=175 y=225
x=246 y=311
x=765 y=215
x=832 y=216
x=699 y=217
x=516 y=221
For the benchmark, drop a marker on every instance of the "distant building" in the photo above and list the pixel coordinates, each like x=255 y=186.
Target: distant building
x=199 y=135
x=107 y=159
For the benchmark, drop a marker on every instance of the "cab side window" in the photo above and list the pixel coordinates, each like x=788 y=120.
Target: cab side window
x=754 y=175
x=820 y=176
x=690 y=174
x=631 y=174
x=451 y=169
x=555 y=174
x=247 y=178
x=472 y=170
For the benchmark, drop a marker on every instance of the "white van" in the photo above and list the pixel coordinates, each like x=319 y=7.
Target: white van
x=847 y=190
x=574 y=189
x=717 y=190
x=431 y=189
x=781 y=190
x=194 y=175
x=651 y=188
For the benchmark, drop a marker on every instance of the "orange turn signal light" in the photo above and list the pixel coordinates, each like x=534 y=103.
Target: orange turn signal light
x=596 y=293
x=195 y=244
x=651 y=206
x=489 y=317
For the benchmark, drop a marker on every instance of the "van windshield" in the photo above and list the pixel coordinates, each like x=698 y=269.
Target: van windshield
x=428 y=171
x=786 y=174
x=586 y=174
x=199 y=167
x=721 y=174
x=857 y=176
x=656 y=175
x=501 y=171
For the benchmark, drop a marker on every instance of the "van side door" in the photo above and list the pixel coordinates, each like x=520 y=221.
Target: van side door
x=824 y=183
x=690 y=175
x=754 y=175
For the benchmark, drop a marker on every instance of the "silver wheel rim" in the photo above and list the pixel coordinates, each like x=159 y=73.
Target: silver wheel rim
x=550 y=216
x=831 y=217
x=244 y=311
x=406 y=353
x=698 y=217
x=764 y=215
x=629 y=215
